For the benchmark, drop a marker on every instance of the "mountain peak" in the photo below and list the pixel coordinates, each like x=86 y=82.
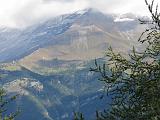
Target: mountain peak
x=87 y=10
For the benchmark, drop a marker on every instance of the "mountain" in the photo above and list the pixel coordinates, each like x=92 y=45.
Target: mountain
x=48 y=63
x=67 y=29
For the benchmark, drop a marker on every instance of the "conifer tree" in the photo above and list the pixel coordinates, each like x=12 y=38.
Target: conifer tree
x=5 y=100
x=78 y=116
x=134 y=83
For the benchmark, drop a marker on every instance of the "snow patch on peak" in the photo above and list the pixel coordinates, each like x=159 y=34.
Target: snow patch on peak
x=81 y=12
x=123 y=19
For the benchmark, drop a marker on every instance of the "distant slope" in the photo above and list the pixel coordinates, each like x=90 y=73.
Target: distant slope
x=68 y=30
x=53 y=97
x=89 y=35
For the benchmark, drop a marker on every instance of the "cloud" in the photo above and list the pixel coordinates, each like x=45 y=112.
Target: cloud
x=21 y=13
x=120 y=6
x=59 y=0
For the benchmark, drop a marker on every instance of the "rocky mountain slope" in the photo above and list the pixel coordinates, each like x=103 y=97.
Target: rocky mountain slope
x=78 y=31
x=48 y=63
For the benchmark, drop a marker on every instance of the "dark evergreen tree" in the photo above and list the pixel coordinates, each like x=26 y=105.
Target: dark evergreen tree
x=134 y=83
x=5 y=100
x=78 y=116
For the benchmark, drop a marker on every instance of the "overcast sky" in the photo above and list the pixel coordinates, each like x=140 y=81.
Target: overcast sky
x=20 y=13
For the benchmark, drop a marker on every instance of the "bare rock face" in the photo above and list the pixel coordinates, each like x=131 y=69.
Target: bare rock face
x=20 y=85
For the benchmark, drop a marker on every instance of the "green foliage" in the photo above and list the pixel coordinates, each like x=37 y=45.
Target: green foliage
x=4 y=101
x=78 y=116
x=134 y=83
